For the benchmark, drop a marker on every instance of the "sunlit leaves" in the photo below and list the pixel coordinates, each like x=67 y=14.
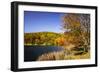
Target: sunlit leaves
x=60 y=41
x=79 y=25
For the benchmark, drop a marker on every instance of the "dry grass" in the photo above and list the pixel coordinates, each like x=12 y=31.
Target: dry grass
x=63 y=56
x=51 y=56
x=73 y=57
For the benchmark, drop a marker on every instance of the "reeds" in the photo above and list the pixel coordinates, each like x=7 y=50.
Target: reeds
x=51 y=56
x=62 y=55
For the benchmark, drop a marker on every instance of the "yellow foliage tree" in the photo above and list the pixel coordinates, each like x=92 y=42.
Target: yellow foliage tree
x=78 y=25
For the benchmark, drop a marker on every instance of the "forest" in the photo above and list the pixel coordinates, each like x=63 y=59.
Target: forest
x=43 y=38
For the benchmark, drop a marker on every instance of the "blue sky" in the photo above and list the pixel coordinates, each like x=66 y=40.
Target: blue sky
x=42 y=21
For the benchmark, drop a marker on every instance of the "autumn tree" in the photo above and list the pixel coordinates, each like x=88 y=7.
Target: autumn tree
x=60 y=41
x=79 y=27
x=85 y=26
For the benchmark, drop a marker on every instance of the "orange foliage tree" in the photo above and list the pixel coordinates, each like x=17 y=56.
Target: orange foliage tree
x=60 y=41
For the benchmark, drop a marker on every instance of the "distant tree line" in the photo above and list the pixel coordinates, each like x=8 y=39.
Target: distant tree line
x=43 y=38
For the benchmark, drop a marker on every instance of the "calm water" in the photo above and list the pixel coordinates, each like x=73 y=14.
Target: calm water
x=31 y=53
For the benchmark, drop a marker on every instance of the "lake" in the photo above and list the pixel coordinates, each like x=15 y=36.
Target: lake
x=31 y=53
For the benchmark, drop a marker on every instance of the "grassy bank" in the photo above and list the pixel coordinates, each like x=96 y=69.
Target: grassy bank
x=64 y=55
